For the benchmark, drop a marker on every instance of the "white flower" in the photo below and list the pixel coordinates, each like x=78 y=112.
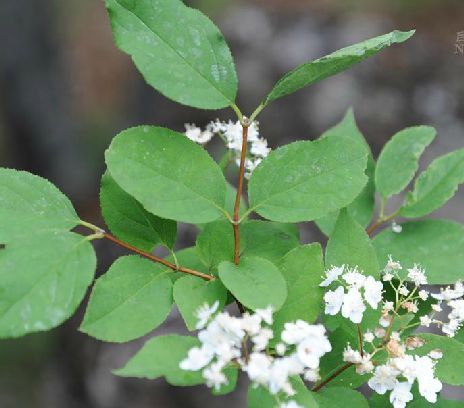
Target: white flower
x=258 y=367
x=425 y=321
x=280 y=349
x=332 y=275
x=197 y=358
x=417 y=275
x=204 y=313
x=457 y=309
x=312 y=375
x=372 y=291
x=333 y=301
x=392 y=265
x=397 y=228
x=428 y=385
x=261 y=339
x=234 y=134
x=387 y=277
x=369 y=336
x=384 y=321
x=423 y=294
x=388 y=306
x=354 y=278
x=436 y=307
x=214 y=376
x=450 y=294
x=313 y=346
x=290 y=404
x=259 y=148
x=436 y=354
x=451 y=328
x=379 y=332
x=365 y=366
x=351 y=356
x=195 y=134
x=265 y=314
x=403 y=290
x=279 y=374
x=251 y=323
x=384 y=379
x=401 y=394
x=253 y=131
x=353 y=305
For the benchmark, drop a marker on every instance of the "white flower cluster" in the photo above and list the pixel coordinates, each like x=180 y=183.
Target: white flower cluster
x=453 y=299
x=242 y=342
x=400 y=370
x=360 y=289
x=399 y=373
x=232 y=133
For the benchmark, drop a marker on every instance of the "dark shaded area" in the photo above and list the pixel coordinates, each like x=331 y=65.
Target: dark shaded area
x=65 y=91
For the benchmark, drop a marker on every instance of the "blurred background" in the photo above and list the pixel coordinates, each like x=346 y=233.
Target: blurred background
x=65 y=91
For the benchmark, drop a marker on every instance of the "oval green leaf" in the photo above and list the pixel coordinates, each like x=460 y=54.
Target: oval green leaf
x=130 y=300
x=436 y=185
x=31 y=203
x=317 y=70
x=314 y=179
x=171 y=176
x=178 y=50
x=160 y=357
x=129 y=221
x=350 y=245
x=437 y=245
x=399 y=159
x=43 y=279
x=302 y=269
x=255 y=282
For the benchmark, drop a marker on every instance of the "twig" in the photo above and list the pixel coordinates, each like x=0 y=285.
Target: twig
x=335 y=374
x=100 y=233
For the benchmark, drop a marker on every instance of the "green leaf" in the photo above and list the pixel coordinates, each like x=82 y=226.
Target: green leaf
x=398 y=161
x=130 y=300
x=215 y=243
x=435 y=186
x=160 y=357
x=350 y=245
x=450 y=368
x=441 y=403
x=437 y=245
x=302 y=269
x=129 y=221
x=260 y=397
x=315 y=179
x=31 y=203
x=362 y=208
x=178 y=50
x=43 y=279
x=314 y=71
x=255 y=282
x=171 y=176
x=191 y=292
x=333 y=397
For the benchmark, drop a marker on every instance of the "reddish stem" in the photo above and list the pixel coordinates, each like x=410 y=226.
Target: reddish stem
x=156 y=259
x=238 y=197
x=336 y=373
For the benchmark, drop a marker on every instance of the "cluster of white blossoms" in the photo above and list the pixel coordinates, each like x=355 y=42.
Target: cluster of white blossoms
x=232 y=135
x=401 y=368
x=360 y=289
x=243 y=342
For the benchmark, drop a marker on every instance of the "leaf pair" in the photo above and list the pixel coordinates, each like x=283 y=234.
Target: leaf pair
x=44 y=269
x=183 y=55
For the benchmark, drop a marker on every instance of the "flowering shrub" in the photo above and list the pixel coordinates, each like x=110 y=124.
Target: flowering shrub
x=308 y=326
